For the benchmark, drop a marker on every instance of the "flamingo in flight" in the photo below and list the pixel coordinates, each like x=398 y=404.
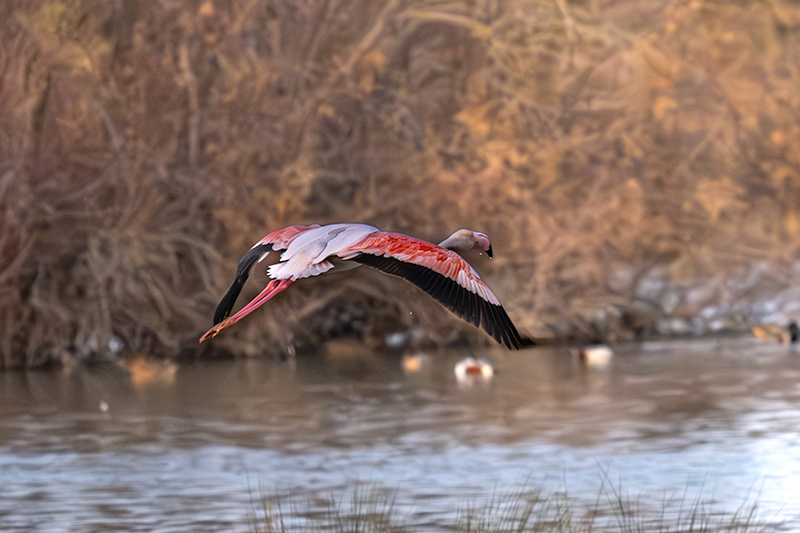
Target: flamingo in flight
x=436 y=269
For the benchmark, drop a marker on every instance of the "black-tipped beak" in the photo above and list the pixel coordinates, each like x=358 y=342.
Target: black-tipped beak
x=242 y=273
x=489 y=251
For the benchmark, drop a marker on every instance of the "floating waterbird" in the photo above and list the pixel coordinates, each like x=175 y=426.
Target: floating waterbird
x=472 y=369
x=146 y=371
x=436 y=269
x=789 y=334
x=415 y=362
x=594 y=355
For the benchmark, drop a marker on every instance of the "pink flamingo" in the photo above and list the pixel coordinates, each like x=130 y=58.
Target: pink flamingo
x=436 y=269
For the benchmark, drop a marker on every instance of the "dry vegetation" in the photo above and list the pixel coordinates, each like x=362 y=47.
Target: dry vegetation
x=632 y=161
x=522 y=510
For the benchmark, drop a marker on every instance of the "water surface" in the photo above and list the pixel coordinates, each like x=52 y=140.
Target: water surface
x=84 y=450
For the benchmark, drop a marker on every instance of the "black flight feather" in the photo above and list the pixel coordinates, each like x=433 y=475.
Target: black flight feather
x=462 y=302
x=242 y=273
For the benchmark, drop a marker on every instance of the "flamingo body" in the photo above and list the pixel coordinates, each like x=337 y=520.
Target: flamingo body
x=308 y=252
x=436 y=269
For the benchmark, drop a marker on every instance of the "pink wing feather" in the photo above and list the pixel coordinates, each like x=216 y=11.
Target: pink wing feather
x=441 y=273
x=423 y=253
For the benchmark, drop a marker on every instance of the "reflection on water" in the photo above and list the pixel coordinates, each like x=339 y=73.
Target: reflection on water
x=719 y=416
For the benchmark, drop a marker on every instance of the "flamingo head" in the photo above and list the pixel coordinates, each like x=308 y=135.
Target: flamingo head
x=465 y=239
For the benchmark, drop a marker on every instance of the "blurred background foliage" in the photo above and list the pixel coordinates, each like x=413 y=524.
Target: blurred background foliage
x=636 y=164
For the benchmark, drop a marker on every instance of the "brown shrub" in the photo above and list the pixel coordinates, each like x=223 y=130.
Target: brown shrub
x=605 y=146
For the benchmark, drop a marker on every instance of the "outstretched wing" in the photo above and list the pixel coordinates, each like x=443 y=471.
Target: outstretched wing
x=445 y=276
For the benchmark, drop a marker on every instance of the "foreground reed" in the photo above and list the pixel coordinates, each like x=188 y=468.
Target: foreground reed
x=371 y=509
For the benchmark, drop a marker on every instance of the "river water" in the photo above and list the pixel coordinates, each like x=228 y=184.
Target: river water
x=85 y=450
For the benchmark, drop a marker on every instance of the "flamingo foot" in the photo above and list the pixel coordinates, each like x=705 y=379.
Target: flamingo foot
x=217 y=329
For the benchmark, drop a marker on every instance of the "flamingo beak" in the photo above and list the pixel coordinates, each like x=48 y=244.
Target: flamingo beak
x=242 y=273
x=489 y=251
